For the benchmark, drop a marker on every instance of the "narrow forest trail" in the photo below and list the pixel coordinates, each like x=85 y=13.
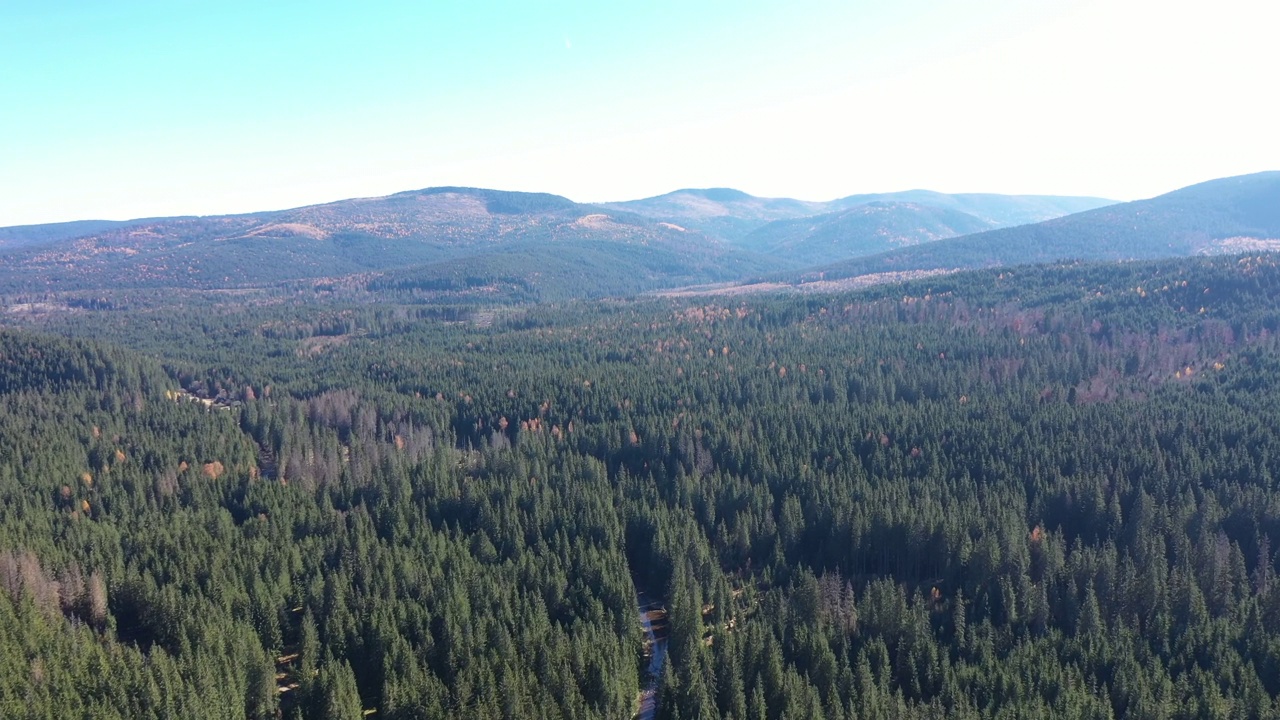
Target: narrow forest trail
x=653 y=616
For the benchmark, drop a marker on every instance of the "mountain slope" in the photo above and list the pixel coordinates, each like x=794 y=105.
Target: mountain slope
x=1234 y=214
x=18 y=236
x=344 y=237
x=860 y=230
x=998 y=210
x=733 y=215
x=725 y=213
x=563 y=271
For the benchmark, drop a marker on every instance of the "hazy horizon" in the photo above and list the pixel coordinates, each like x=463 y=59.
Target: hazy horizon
x=255 y=210
x=147 y=109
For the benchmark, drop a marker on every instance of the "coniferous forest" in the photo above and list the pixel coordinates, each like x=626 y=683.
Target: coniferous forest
x=1048 y=491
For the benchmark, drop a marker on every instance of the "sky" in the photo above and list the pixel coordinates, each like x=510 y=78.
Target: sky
x=139 y=108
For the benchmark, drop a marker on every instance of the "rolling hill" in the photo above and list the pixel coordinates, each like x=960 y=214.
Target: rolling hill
x=734 y=215
x=1236 y=214
x=564 y=271
x=864 y=229
x=27 y=235
x=469 y=243
x=722 y=212
x=997 y=210
x=477 y=245
x=355 y=236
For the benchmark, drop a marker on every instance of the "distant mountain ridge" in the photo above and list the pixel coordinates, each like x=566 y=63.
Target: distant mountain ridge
x=726 y=213
x=25 y=235
x=998 y=210
x=473 y=240
x=474 y=245
x=408 y=229
x=858 y=230
x=733 y=214
x=1236 y=214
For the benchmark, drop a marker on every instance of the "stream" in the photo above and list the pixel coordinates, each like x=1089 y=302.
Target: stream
x=654 y=619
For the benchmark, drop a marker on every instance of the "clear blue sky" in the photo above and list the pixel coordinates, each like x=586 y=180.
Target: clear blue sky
x=131 y=108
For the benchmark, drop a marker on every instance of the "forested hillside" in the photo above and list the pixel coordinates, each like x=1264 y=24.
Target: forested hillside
x=733 y=214
x=865 y=229
x=724 y=212
x=23 y=235
x=998 y=210
x=1228 y=215
x=478 y=246
x=1032 y=492
x=409 y=229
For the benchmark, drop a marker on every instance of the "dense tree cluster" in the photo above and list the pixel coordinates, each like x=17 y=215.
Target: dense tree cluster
x=1045 y=492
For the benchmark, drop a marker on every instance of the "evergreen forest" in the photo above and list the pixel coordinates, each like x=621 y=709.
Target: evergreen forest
x=1028 y=492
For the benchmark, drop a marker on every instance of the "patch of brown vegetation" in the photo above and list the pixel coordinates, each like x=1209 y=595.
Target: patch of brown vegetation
x=312 y=346
x=289 y=229
x=1240 y=244
x=815 y=285
x=594 y=221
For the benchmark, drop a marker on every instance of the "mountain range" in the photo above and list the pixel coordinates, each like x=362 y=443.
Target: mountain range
x=734 y=214
x=479 y=245
x=1228 y=215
